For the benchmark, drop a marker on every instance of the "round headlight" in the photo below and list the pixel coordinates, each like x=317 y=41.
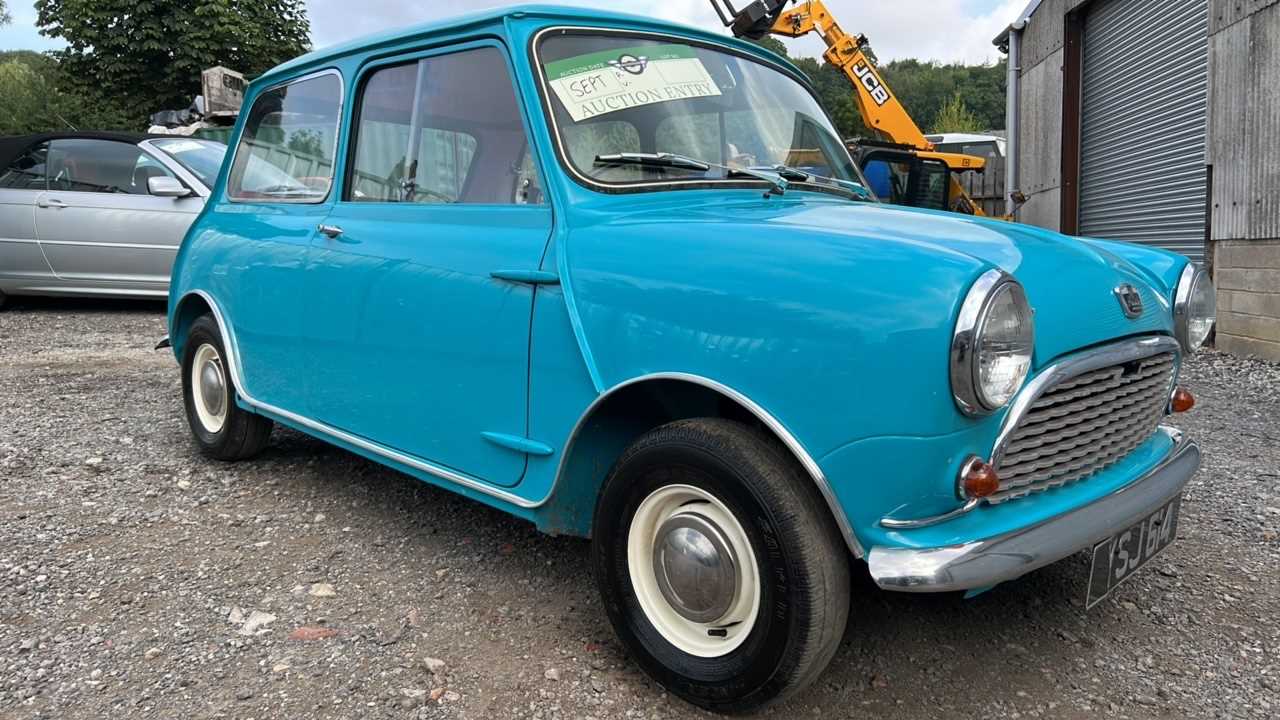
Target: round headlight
x=992 y=344
x=1195 y=308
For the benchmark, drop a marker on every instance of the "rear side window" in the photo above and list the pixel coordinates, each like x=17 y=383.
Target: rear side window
x=444 y=129
x=27 y=171
x=287 y=148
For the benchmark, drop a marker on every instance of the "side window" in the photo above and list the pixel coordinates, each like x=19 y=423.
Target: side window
x=983 y=150
x=287 y=148
x=445 y=129
x=102 y=166
x=27 y=171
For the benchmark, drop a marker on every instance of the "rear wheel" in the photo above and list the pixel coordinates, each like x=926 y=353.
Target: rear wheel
x=221 y=428
x=720 y=567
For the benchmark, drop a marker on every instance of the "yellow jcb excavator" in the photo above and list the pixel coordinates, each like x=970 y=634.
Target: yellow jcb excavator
x=901 y=160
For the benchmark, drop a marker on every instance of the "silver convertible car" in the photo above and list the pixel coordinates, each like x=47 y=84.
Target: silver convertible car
x=98 y=214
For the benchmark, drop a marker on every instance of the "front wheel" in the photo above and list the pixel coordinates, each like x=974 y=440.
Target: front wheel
x=222 y=429
x=720 y=567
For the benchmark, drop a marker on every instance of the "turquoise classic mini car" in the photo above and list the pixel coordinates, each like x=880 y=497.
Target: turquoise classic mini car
x=621 y=278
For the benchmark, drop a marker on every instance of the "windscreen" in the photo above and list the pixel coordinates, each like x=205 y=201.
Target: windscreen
x=614 y=93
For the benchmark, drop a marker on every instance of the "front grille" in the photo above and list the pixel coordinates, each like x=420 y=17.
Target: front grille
x=1084 y=424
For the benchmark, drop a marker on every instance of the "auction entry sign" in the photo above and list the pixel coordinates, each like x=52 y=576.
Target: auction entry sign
x=609 y=81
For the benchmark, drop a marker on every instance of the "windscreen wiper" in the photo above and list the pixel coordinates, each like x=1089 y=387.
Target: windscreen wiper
x=665 y=160
x=787 y=172
x=777 y=185
x=854 y=190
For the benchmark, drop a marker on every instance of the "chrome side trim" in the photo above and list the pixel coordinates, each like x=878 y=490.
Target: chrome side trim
x=774 y=425
x=381 y=450
x=1105 y=356
x=780 y=430
x=930 y=521
x=983 y=563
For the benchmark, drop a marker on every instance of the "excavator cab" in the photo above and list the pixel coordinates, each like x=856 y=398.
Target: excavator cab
x=900 y=176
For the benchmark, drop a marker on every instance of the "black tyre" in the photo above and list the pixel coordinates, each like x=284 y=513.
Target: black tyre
x=719 y=564
x=221 y=429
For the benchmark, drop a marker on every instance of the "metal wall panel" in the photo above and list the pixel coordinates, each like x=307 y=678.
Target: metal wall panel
x=1264 y=123
x=1040 y=159
x=1143 y=121
x=1229 y=138
x=1223 y=13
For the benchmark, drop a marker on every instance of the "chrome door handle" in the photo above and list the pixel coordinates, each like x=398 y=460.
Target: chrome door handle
x=52 y=203
x=329 y=231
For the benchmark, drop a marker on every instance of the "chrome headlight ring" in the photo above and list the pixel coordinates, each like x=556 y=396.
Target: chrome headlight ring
x=994 y=292
x=1195 y=308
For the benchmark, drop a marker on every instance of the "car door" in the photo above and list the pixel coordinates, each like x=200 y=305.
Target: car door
x=278 y=190
x=22 y=181
x=98 y=224
x=417 y=345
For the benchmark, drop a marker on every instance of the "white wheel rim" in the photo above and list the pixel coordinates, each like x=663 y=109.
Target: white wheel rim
x=666 y=506
x=209 y=388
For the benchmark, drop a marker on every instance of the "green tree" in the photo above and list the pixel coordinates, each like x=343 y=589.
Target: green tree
x=5 y=17
x=146 y=56
x=34 y=102
x=955 y=117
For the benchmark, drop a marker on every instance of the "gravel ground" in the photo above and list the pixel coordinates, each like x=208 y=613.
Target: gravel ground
x=139 y=580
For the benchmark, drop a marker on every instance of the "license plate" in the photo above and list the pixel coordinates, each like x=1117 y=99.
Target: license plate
x=1119 y=556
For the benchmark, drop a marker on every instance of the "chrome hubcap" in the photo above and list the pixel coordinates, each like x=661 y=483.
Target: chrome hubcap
x=695 y=567
x=693 y=570
x=209 y=388
x=212 y=387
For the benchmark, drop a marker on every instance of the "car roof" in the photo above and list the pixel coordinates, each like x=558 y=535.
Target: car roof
x=961 y=137
x=14 y=145
x=458 y=23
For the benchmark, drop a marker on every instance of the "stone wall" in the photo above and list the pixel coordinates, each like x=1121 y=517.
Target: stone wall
x=1248 y=280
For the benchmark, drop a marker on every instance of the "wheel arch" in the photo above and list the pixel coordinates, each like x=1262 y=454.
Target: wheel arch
x=626 y=411
x=191 y=306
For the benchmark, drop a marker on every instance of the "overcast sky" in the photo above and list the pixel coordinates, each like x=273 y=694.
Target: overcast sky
x=943 y=30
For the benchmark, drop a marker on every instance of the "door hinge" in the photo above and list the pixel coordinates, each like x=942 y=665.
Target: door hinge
x=519 y=444
x=528 y=277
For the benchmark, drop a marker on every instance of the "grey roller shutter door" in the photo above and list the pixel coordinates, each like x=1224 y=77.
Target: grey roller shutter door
x=1143 y=113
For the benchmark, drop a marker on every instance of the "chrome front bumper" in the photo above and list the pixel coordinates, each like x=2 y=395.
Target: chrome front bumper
x=985 y=563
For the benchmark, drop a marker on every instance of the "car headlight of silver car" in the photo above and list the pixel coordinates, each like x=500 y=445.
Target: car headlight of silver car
x=992 y=344
x=1195 y=308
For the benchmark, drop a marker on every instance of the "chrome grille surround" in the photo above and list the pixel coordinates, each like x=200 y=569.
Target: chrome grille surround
x=1083 y=415
x=1080 y=393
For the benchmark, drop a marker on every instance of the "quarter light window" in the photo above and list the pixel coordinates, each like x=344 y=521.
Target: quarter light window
x=445 y=129
x=290 y=137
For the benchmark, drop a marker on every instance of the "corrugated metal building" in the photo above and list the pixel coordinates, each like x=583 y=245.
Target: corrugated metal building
x=1158 y=121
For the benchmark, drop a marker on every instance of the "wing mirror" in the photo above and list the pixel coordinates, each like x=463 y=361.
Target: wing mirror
x=167 y=187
